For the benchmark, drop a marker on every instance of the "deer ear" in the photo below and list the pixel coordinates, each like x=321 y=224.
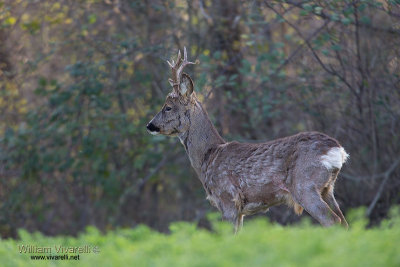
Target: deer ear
x=186 y=85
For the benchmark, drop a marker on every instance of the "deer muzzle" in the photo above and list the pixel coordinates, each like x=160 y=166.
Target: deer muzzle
x=151 y=128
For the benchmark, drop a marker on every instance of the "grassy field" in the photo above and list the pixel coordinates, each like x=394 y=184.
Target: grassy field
x=260 y=243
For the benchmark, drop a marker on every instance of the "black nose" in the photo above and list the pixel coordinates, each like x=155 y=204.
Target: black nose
x=152 y=128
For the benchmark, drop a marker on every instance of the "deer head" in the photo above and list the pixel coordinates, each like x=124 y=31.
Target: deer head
x=173 y=118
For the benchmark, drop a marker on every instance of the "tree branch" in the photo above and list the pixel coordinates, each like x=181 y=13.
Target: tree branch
x=386 y=174
x=326 y=16
x=307 y=42
x=309 y=38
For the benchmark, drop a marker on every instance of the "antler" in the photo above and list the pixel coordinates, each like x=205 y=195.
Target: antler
x=178 y=67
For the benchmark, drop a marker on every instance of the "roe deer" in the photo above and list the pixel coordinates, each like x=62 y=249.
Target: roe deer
x=242 y=179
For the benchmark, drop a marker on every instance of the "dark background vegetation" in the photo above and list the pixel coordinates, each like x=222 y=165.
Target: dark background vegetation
x=79 y=80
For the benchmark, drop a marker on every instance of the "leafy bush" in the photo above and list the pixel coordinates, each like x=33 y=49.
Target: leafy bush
x=260 y=243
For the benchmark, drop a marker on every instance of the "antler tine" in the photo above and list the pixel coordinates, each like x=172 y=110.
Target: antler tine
x=174 y=64
x=184 y=54
x=183 y=64
x=171 y=64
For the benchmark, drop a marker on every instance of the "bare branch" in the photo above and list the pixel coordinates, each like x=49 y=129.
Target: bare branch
x=309 y=38
x=307 y=42
x=204 y=13
x=382 y=186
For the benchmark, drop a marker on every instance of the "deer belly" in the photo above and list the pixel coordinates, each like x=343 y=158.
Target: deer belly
x=259 y=198
x=253 y=208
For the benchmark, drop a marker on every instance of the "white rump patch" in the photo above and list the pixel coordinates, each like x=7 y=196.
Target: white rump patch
x=335 y=158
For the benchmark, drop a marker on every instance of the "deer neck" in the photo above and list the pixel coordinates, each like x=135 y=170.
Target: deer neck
x=200 y=137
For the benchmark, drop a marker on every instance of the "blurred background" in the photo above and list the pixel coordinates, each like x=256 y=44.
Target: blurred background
x=79 y=80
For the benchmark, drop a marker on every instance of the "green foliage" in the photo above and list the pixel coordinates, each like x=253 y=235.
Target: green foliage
x=77 y=138
x=260 y=243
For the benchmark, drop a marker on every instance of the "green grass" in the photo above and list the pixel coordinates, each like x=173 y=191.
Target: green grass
x=260 y=243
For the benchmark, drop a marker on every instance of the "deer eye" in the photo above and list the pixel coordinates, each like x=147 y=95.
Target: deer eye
x=168 y=108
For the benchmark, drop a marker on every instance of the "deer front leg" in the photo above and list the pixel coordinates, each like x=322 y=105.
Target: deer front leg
x=239 y=223
x=231 y=214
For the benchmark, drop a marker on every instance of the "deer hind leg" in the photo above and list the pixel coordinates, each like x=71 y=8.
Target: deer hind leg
x=308 y=194
x=329 y=198
x=313 y=203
